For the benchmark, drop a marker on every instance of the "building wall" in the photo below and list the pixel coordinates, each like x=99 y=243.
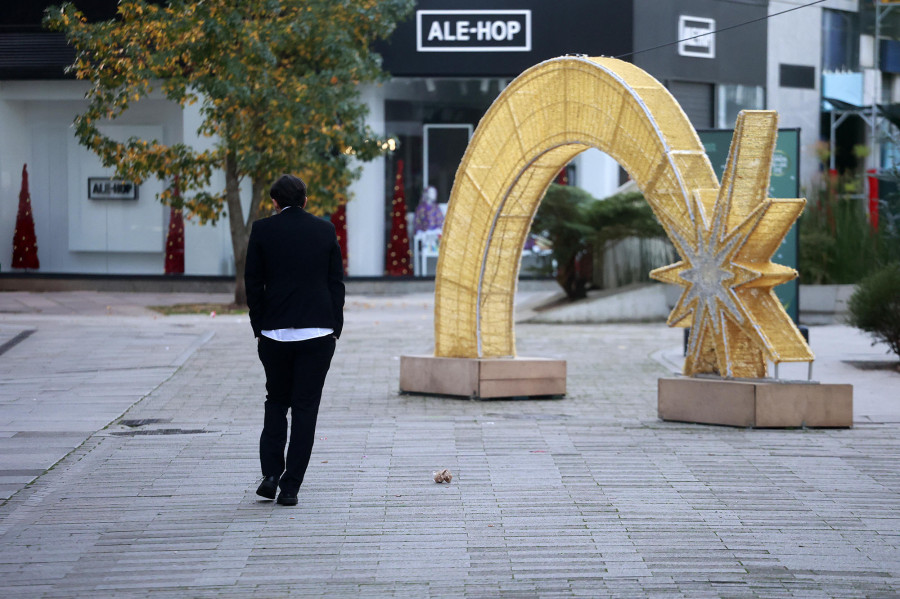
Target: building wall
x=365 y=211
x=207 y=248
x=35 y=118
x=78 y=234
x=719 y=68
x=795 y=39
x=15 y=150
x=592 y=27
x=738 y=52
x=597 y=173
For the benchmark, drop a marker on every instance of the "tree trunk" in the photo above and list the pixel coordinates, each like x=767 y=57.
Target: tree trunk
x=240 y=232
x=240 y=289
x=567 y=277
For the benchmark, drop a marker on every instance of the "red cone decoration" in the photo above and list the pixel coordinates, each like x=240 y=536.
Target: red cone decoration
x=175 y=240
x=339 y=220
x=24 y=240
x=397 y=261
x=563 y=177
x=175 y=243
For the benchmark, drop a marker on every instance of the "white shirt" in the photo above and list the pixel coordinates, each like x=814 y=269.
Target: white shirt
x=296 y=334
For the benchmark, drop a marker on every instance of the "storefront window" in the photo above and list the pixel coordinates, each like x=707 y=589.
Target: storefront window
x=433 y=120
x=734 y=98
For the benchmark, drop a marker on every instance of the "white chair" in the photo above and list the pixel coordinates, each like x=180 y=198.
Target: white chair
x=425 y=245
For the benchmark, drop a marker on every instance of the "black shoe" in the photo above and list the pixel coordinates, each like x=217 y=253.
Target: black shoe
x=268 y=487
x=285 y=498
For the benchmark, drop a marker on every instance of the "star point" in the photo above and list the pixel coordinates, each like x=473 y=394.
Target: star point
x=726 y=270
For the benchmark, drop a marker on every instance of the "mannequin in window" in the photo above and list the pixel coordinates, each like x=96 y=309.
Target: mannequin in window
x=428 y=213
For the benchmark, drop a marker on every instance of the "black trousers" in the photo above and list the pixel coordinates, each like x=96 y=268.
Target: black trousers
x=295 y=374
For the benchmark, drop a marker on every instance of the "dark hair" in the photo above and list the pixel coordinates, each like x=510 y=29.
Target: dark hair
x=288 y=190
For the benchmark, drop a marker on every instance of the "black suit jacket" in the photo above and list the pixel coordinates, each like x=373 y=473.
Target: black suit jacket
x=294 y=273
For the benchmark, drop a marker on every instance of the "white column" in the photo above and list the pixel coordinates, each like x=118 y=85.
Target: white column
x=15 y=150
x=365 y=211
x=596 y=173
x=207 y=248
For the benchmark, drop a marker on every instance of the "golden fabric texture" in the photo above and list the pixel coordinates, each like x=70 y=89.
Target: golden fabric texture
x=726 y=236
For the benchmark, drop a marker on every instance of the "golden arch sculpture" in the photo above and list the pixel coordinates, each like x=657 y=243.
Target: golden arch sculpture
x=725 y=234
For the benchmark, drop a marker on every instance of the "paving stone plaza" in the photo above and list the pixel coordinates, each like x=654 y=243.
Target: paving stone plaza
x=128 y=465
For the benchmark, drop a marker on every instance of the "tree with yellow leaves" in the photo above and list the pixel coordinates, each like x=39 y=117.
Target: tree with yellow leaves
x=277 y=82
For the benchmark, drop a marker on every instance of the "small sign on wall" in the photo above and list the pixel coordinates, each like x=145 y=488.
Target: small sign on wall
x=697 y=35
x=104 y=188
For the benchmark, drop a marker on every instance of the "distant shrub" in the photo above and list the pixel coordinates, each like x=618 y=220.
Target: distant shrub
x=837 y=243
x=875 y=306
x=573 y=221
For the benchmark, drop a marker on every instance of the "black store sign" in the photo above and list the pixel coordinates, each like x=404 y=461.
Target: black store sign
x=473 y=30
x=502 y=38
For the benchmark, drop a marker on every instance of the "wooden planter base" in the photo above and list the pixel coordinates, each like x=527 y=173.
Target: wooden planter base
x=483 y=378
x=760 y=404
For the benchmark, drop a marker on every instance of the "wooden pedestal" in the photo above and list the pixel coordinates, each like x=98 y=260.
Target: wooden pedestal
x=483 y=378
x=762 y=404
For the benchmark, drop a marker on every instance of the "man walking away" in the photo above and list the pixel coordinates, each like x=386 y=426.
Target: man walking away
x=295 y=292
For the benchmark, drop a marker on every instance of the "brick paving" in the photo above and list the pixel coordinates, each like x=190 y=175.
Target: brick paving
x=586 y=496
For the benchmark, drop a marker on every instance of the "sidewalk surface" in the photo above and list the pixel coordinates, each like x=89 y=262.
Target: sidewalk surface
x=128 y=465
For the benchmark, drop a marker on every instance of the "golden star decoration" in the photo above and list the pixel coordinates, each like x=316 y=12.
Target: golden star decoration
x=737 y=323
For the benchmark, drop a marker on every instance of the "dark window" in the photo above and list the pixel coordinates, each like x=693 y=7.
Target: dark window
x=840 y=40
x=889 y=59
x=34 y=55
x=696 y=99
x=26 y=16
x=795 y=75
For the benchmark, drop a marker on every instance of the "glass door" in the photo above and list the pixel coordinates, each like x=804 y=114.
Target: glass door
x=443 y=147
